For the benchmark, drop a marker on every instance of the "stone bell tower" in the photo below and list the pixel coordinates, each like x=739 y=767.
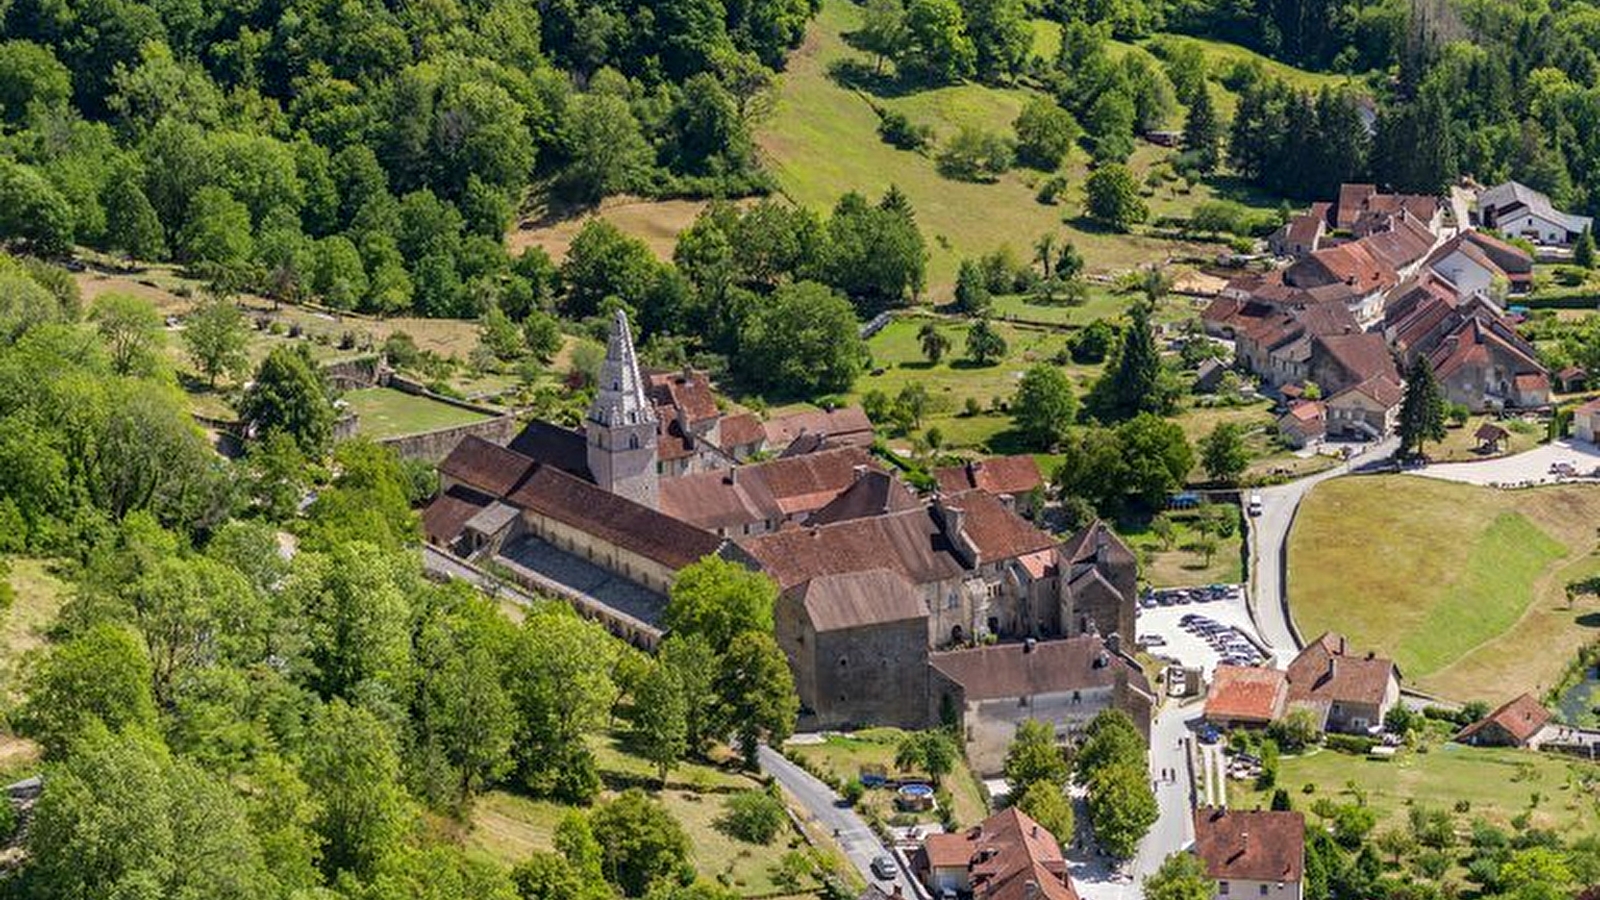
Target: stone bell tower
x=621 y=424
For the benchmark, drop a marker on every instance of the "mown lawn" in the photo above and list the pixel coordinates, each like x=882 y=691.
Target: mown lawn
x=821 y=140
x=844 y=755
x=1459 y=445
x=507 y=827
x=1463 y=586
x=386 y=412
x=1493 y=784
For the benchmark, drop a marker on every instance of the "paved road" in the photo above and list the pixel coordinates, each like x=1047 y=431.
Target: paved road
x=1529 y=466
x=1269 y=536
x=1175 y=828
x=853 y=835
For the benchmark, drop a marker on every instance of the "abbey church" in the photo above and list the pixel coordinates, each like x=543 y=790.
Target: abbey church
x=876 y=580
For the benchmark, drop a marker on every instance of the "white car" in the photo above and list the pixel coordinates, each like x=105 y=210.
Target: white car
x=1255 y=504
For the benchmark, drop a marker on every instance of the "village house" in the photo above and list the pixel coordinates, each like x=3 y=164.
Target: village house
x=1252 y=854
x=1520 y=211
x=1519 y=723
x=1303 y=424
x=1477 y=355
x=1246 y=696
x=1473 y=262
x=1366 y=411
x=1063 y=683
x=1346 y=693
x=1015 y=476
x=1586 y=422
x=1007 y=856
x=1572 y=379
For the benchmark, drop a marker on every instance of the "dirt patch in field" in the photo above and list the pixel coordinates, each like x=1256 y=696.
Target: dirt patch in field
x=656 y=222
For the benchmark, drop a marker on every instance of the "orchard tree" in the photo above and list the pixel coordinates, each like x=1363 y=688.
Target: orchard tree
x=1044 y=406
x=131 y=329
x=217 y=338
x=934 y=342
x=985 y=344
x=929 y=752
x=1113 y=197
x=1223 y=453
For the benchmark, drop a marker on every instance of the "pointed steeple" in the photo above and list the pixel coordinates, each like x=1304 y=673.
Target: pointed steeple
x=620 y=399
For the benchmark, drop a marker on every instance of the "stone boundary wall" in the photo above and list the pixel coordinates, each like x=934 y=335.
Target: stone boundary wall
x=434 y=446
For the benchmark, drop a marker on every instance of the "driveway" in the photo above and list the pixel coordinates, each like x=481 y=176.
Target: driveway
x=1528 y=467
x=1269 y=537
x=856 y=840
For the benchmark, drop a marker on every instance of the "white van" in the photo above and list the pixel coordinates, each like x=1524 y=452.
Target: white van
x=1255 y=505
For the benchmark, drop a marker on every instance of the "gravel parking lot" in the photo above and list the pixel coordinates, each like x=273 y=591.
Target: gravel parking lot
x=1162 y=633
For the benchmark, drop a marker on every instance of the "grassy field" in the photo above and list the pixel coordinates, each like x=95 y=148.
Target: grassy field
x=38 y=596
x=897 y=361
x=821 y=141
x=656 y=222
x=1497 y=785
x=1463 y=586
x=1460 y=445
x=386 y=413
x=844 y=756
x=1183 y=565
x=508 y=827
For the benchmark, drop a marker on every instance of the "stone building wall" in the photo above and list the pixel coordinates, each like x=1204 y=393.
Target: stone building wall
x=610 y=557
x=847 y=678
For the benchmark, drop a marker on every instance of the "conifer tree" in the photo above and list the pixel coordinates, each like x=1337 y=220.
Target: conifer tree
x=1422 y=411
x=1202 y=131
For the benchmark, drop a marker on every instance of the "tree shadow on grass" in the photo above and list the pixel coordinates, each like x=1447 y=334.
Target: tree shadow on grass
x=964 y=364
x=857 y=75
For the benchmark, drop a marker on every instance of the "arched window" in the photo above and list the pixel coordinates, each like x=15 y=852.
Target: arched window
x=633 y=442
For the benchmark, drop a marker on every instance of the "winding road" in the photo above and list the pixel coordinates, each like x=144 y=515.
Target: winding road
x=857 y=840
x=1269 y=540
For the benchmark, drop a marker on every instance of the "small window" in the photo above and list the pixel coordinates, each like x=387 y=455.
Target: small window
x=1263 y=890
x=1222 y=888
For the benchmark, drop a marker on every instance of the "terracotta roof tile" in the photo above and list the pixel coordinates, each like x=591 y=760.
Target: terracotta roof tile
x=1014 y=475
x=1325 y=672
x=857 y=599
x=1008 y=856
x=1520 y=719
x=1246 y=694
x=1250 y=846
x=846 y=425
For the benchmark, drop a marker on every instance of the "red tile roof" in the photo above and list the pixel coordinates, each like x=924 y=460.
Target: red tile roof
x=848 y=425
x=689 y=391
x=1325 y=672
x=1250 y=846
x=1520 y=719
x=742 y=429
x=1014 y=475
x=761 y=492
x=1008 y=856
x=1246 y=694
x=916 y=543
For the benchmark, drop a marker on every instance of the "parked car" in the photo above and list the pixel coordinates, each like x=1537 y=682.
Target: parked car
x=1255 y=504
x=885 y=868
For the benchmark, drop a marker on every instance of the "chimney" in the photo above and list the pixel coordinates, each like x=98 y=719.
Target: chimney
x=732 y=477
x=1028 y=644
x=1114 y=643
x=858 y=471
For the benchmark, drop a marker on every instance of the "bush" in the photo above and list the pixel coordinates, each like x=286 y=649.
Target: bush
x=853 y=791
x=897 y=130
x=1349 y=743
x=975 y=155
x=1052 y=188
x=754 y=817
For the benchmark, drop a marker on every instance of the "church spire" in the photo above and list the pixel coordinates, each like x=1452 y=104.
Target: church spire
x=620 y=399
